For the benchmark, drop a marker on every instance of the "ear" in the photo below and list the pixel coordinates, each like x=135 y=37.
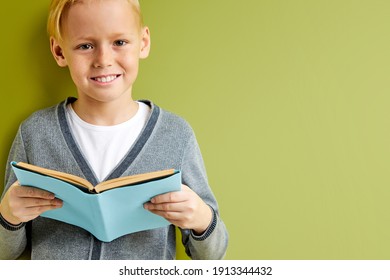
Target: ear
x=145 y=43
x=57 y=52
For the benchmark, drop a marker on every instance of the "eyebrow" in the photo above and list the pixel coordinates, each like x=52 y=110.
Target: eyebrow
x=123 y=34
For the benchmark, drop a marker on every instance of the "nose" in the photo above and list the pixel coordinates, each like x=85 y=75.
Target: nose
x=103 y=57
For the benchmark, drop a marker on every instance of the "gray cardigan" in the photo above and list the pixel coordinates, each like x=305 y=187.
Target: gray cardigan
x=166 y=141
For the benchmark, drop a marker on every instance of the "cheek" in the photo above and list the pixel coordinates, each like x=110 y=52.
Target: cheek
x=80 y=79
x=128 y=58
x=131 y=64
x=77 y=69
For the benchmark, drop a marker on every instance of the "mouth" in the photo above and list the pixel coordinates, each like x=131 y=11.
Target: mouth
x=105 y=79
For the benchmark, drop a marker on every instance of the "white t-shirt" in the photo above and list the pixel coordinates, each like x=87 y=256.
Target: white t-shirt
x=105 y=146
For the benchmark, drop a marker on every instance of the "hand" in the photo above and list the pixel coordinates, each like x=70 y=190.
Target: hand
x=184 y=209
x=23 y=204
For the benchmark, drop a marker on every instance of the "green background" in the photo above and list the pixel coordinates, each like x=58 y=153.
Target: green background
x=289 y=101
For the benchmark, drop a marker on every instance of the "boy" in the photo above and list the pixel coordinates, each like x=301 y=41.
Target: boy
x=105 y=134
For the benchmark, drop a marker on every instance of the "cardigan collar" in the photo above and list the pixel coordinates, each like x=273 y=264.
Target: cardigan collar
x=129 y=157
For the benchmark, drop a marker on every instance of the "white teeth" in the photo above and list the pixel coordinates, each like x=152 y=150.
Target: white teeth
x=106 y=79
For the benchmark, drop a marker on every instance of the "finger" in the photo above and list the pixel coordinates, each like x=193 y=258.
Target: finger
x=169 y=215
x=168 y=197
x=23 y=191
x=31 y=213
x=38 y=202
x=175 y=218
x=25 y=214
x=178 y=196
x=166 y=207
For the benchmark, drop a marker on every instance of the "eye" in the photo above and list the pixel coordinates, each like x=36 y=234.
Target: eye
x=120 y=43
x=85 y=47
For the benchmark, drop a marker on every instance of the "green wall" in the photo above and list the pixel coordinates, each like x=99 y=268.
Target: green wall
x=289 y=101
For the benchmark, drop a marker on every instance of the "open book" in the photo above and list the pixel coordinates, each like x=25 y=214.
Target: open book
x=108 y=210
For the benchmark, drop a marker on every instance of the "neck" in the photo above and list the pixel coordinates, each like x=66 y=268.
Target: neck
x=105 y=113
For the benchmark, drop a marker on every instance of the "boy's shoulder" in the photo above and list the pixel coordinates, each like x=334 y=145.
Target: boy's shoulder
x=173 y=118
x=42 y=116
x=44 y=121
x=173 y=121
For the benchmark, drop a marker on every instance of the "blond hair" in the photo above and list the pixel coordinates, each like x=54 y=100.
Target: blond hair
x=58 y=8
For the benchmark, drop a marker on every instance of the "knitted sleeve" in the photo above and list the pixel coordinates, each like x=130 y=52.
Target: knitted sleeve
x=212 y=244
x=13 y=238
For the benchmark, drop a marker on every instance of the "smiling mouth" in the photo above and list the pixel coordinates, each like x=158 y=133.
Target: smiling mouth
x=105 y=79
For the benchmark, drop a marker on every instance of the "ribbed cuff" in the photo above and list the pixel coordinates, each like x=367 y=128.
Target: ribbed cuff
x=209 y=229
x=9 y=226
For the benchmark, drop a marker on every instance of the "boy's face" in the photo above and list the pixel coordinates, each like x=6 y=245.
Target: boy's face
x=102 y=44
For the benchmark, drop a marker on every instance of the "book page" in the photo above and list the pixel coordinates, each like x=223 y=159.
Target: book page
x=133 y=179
x=72 y=179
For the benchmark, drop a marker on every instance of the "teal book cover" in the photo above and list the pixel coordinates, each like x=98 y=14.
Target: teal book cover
x=108 y=214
